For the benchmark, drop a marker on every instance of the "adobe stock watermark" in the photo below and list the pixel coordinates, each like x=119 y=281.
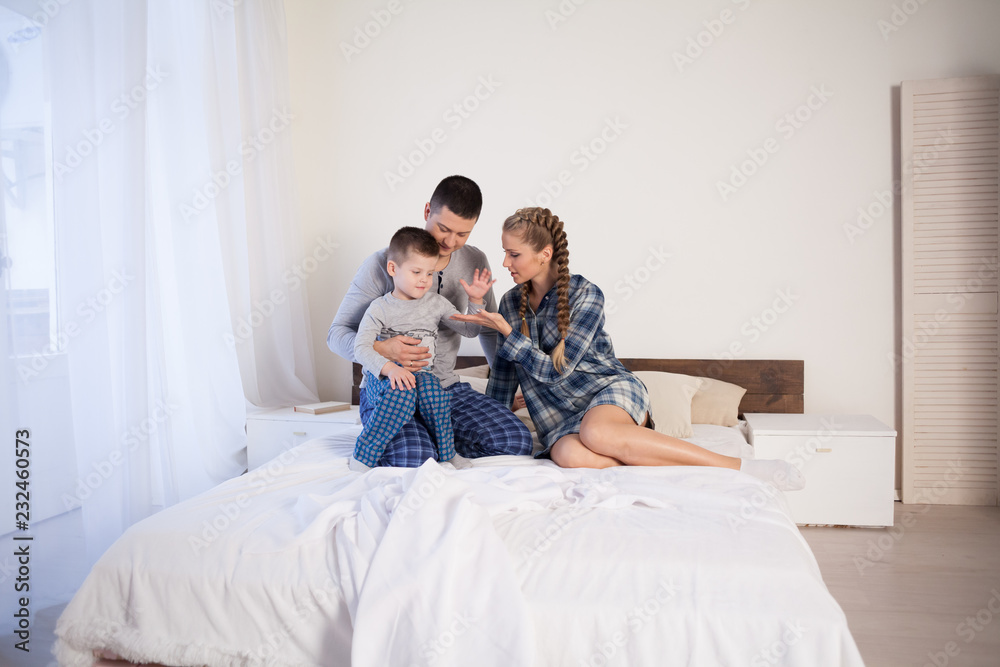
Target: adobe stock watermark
x=22 y=36
x=121 y=108
x=364 y=34
x=228 y=512
x=636 y=620
x=565 y=512
x=454 y=116
x=787 y=127
x=758 y=325
x=701 y=42
x=417 y=495
x=128 y=442
x=249 y=149
x=294 y=277
x=798 y=457
x=88 y=310
x=434 y=649
x=967 y=630
x=224 y=7
x=562 y=12
x=585 y=155
x=882 y=200
x=633 y=281
x=752 y=329
x=879 y=548
x=132 y=615
x=898 y=17
x=322 y=598
x=564 y=515
x=926 y=330
x=33 y=25
x=776 y=652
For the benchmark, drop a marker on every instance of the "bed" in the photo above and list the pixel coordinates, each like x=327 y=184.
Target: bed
x=513 y=561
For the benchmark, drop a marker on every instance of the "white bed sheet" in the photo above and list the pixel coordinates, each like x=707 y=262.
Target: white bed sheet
x=512 y=562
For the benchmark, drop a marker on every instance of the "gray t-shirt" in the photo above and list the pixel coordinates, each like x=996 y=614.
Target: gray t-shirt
x=372 y=281
x=421 y=318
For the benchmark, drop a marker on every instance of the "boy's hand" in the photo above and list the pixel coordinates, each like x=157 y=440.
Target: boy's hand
x=399 y=377
x=481 y=284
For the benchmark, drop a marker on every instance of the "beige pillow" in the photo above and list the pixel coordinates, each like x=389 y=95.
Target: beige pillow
x=717 y=402
x=478 y=384
x=670 y=397
x=474 y=371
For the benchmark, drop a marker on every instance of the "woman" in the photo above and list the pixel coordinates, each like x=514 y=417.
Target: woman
x=588 y=409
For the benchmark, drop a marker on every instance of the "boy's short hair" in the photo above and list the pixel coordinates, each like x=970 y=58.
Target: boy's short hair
x=412 y=240
x=461 y=195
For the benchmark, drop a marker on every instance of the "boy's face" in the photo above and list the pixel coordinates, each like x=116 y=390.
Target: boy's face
x=450 y=231
x=413 y=276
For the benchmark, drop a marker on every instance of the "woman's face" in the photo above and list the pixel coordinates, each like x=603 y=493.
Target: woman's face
x=523 y=261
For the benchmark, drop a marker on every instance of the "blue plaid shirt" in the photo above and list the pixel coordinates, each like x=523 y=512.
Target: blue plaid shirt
x=590 y=363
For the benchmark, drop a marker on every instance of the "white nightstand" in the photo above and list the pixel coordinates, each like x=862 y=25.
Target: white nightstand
x=849 y=462
x=272 y=431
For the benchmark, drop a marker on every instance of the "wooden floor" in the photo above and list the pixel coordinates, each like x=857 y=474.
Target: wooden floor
x=924 y=592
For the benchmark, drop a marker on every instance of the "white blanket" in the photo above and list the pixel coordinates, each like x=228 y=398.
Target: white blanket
x=303 y=562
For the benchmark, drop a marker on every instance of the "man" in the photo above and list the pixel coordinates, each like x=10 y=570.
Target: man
x=483 y=427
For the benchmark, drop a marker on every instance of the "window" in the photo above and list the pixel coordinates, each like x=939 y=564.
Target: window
x=27 y=246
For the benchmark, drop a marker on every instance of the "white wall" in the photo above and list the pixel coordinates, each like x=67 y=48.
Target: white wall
x=655 y=185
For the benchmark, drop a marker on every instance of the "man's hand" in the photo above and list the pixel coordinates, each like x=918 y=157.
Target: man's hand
x=404 y=351
x=399 y=377
x=481 y=284
x=486 y=319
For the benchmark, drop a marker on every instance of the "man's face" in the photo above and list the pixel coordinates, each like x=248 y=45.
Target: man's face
x=450 y=231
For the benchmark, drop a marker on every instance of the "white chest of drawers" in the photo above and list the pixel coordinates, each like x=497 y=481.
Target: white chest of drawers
x=849 y=463
x=272 y=431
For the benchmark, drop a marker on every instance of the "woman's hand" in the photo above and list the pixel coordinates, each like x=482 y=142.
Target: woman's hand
x=481 y=284
x=486 y=319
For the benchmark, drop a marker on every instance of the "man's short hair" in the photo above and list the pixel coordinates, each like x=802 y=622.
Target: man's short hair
x=412 y=240
x=461 y=195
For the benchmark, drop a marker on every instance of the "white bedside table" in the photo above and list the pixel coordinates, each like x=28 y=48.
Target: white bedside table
x=270 y=432
x=849 y=462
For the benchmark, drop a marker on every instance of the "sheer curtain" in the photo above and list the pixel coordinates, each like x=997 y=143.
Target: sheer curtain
x=179 y=299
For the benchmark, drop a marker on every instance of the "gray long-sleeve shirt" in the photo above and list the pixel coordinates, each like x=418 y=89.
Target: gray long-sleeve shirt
x=426 y=318
x=372 y=281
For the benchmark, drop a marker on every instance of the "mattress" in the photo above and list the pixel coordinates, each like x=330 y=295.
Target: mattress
x=514 y=561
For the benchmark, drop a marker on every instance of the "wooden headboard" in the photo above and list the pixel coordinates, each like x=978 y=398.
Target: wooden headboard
x=772 y=385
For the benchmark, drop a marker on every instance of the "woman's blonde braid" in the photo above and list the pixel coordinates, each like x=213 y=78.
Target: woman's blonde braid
x=538 y=228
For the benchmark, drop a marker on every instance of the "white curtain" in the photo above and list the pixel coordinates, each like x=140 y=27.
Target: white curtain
x=180 y=271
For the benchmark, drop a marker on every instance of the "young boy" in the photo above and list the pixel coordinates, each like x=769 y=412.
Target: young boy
x=411 y=309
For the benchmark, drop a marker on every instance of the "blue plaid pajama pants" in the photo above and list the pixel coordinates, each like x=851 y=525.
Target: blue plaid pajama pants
x=393 y=408
x=482 y=427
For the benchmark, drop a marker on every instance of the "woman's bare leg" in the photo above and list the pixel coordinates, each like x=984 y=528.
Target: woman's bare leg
x=608 y=436
x=570 y=452
x=610 y=432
